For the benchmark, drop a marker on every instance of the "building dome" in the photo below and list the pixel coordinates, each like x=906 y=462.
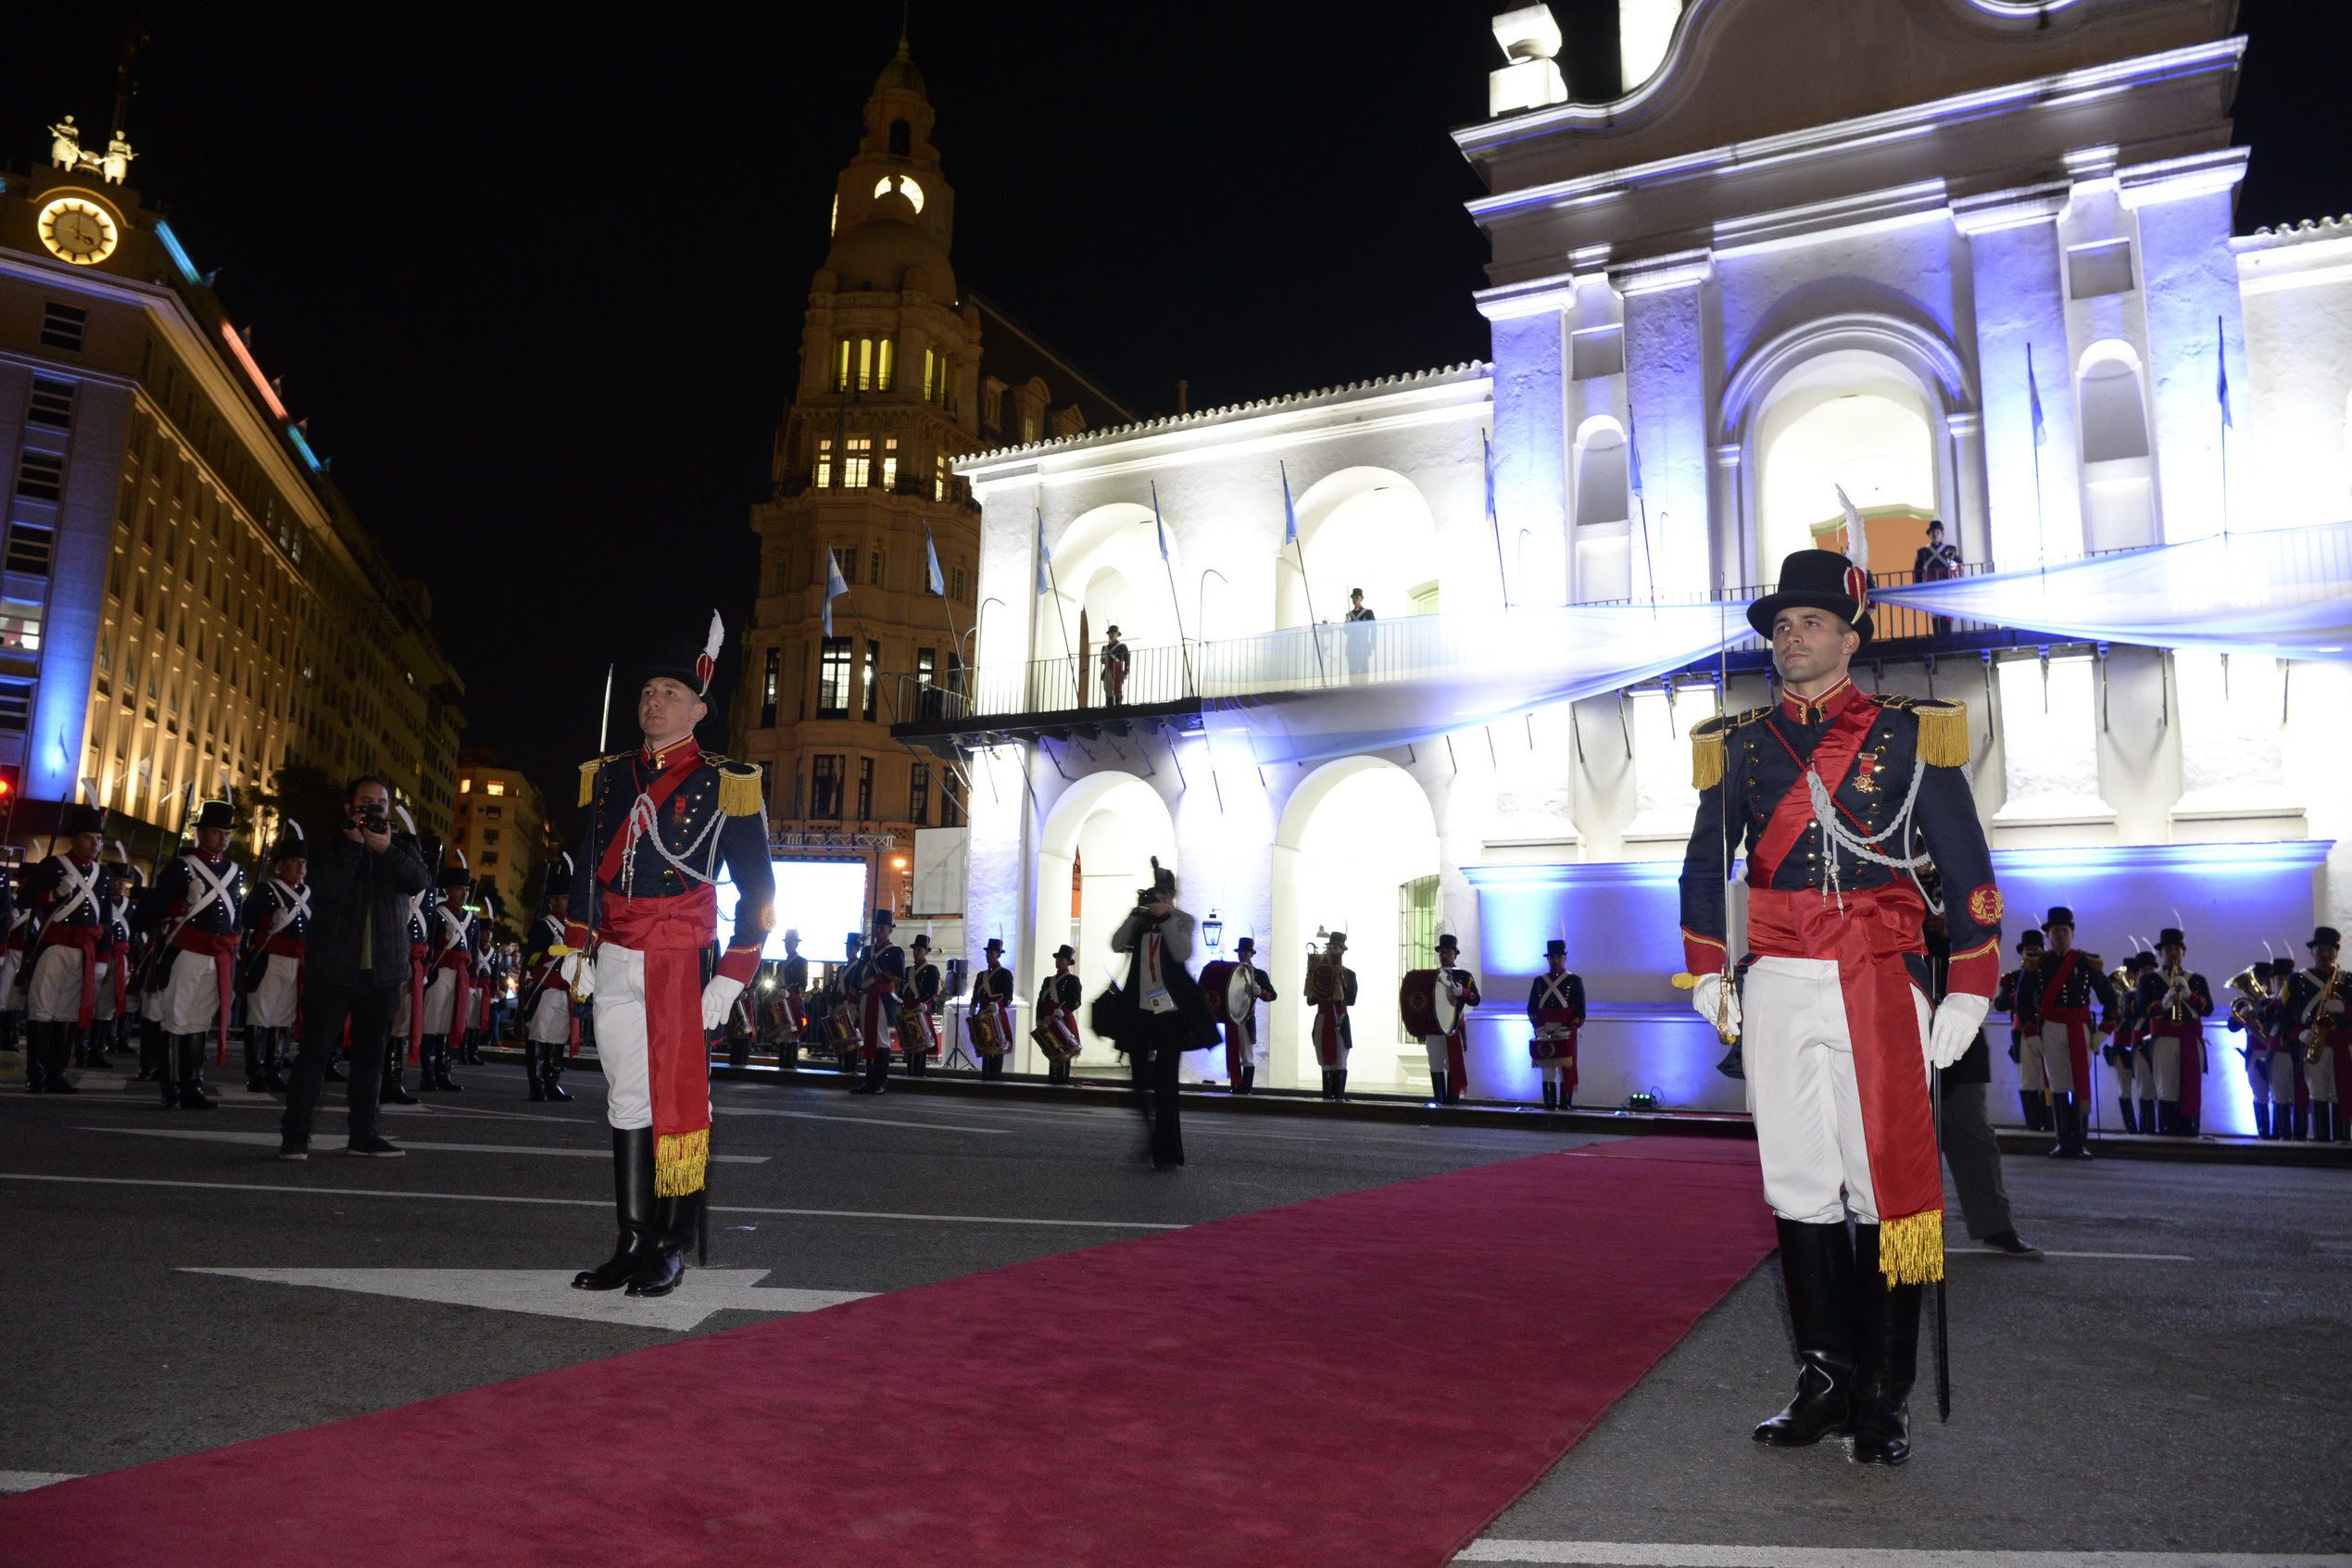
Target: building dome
x=901 y=74
x=876 y=256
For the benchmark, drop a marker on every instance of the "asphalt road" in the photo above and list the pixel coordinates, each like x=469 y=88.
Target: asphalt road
x=2183 y=1393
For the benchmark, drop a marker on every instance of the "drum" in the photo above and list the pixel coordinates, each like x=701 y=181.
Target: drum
x=1056 y=1046
x=1223 y=985
x=914 y=1039
x=980 y=1024
x=1427 y=1003
x=841 y=1030
x=1553 y=1042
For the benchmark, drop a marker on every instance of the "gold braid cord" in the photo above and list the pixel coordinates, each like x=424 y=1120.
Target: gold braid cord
x=588 y=779
x=1707 y=755
x=1943 y=733
x=739 y=789
x=679 y=1160
x=1911 y=1248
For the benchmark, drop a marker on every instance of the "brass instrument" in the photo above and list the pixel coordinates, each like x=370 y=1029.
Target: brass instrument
x=2318 y=1015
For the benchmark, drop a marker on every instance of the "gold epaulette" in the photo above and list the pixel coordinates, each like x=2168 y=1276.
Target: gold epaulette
x=2093 y=960
x=589 y=774
x=739 y=791
x=1708 y=740
x=1944 y=727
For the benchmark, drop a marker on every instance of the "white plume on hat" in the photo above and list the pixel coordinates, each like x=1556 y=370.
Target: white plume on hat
x=1858 y=535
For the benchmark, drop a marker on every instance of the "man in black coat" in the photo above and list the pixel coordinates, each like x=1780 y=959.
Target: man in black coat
x=355 y=962
x=1165 y=1014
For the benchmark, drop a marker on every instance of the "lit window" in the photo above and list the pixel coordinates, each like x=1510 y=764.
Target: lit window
x=833 y=223
x=885 y=355
x=494 y=787
x=20 y=625
x=939 y=478
x=822 y=475
x=833 y=681
x=856 y=453
x=907 y=188
x=841 y=367
x=889 y=459
x=465 y=787
x=866 y=364
x=930 y=373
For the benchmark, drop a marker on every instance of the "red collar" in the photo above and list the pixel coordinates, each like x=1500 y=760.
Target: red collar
x=682 y=753
x=1822 y=708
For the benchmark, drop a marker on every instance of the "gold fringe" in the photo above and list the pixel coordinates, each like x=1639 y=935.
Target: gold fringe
x=1911 y=1248
x=1707 y=756
x=1944 y=733
x=588 y=780
x=739 y=791
x=678 y=1162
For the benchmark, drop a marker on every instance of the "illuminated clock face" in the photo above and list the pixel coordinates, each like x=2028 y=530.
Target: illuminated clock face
x=907 y=188
x=77 y=229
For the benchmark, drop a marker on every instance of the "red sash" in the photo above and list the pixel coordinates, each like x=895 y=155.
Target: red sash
x=85 y=939
x=2189 y=1031
x=673 y=934
x=222 y=946
x=1832 y=758
x=459 y=962
x=2077 y=1019
x=417 y=952
x=1868 y=940
x=664 y=785
x=1328 y=1047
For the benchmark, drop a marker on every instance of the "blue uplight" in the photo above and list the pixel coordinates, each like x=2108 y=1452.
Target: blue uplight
x=303 y=447
x=178 y=253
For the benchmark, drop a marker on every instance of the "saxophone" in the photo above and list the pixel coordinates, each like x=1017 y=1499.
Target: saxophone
x=2318 y=1015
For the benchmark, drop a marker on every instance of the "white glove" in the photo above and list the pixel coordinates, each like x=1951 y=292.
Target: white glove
x=1953 y=1029
x=1707 y=994
x=2334 y=1007
x=717 y=995
x=579 y=972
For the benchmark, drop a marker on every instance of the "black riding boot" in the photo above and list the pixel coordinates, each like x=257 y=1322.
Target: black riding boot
x=551 y=1069
x=2168 y=1117
x=2131 y=1122
x=2147 y=1115
x=9 y=1022
x=252 y=1038
x=427 y=1048
x=633 y=1199
x=395 y=1091
x=1249 y=1084
x=531 y=1069
x=1887 y=1343
x=36 y=1056
x=1340 y=1086
x=449 y=1057
x=1551 y=1095
x=2068 y=1111
x=877 y=1075
x=96 y=1057
x=276 y=1061
x=164 y=1046
x=659 y=1270
x=2262 y=1120
x=60 y=1048
x=1437 y=1089
x=917 y=1063
x=191 y=1062
x=1816 y=1267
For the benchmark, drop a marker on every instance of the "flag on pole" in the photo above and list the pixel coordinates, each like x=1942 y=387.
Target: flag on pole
x=2221 y=372
x=931 y=564
x=1289 y=512
x=1158 y=527
x=2033 y=399
x=1045 y=559
x=1486 y=444
x=1632 y=456
x=833 y=587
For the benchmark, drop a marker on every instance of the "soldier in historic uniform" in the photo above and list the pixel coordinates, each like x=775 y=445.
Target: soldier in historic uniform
x=2316 y=1021
x=2174 y=1002
x=202 y=891
x=405 y=1045
x=2126 y=1053
x=2252 y=994
x=2020 y=997
x=16 y=916
x=116 y=1015
x=840 y=1005
x=1831 y=789
x=1556 y=1012
x=2071 y=979
x=1244 y=1048
x=918 y=1006
x=1448 y=1064
x=992 y=1001
x=277 y=919
x=549 y=1034
x=68 y=896
x=872 y=984
x=451 y=964
x=2283 y=1083
x=1114 y=660
x=665 y=821
x=1332 y=990
x=792 y=999
x=1058 y=1001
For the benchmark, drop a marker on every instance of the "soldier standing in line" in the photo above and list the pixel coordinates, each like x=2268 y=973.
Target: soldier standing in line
x=202 y=891
x=665 y=821
x=405 y=1043
x=277 y=918
x=918 y=1000
x=872 y=981
x=842 y=1004
x=2020 y=997
x=1555 y=1012
x=2128 y=1048
x=2071 y=978
x=1243 y=1048
x=992 y=999
x=792 y=998
x=1332 y=988
x=1448 y=1065
x=1115 y=660
x=451 y=965
x=118 y=1004
x=68 y=896
x=2316 y=1022
x=548 y=1032
x=2174 y=1003
x=16 y=915
x=2250 y=1016
x=2289 y=1100
x=1057 y=1002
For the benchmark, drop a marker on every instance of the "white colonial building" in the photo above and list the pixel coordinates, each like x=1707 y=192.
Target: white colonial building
x=1970 y=260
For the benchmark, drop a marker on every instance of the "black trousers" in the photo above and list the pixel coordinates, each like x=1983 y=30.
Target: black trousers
x=326 y=1005
x=1155 y=1068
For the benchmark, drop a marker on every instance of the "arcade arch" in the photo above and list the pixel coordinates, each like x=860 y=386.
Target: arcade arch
x=1368 y=528
x=1094 y=851
x=1106 y=571
x=2118 y=481
x=1850 y=419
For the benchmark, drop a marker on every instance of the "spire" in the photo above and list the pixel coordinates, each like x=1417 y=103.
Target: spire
x=901 y=73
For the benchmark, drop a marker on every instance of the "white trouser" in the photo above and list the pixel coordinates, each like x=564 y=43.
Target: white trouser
x=2142 y=1075
x=619 y=1003
x=1553 y=1070
x=440 y=999
x=2320 y=1077
x=2281 y=1083
x=191 y=994
x=2057 y=1062
x=1441 y=1060
x=551 y=1018
x=53 y=995
x=2168 y=1056
x=273 y=1002
x=2029 y=1064
x=102 y=1008
x=1799 y=1057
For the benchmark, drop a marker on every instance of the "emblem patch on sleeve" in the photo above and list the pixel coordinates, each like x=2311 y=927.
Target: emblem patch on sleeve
x=1984 y=905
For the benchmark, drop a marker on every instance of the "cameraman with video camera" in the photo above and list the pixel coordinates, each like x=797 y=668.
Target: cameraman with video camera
x=357 y=961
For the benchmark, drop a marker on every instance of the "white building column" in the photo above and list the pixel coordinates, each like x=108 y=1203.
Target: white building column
x=1971 y=518
x=1666 y=366
x=1530 y=334
x=2019 y=285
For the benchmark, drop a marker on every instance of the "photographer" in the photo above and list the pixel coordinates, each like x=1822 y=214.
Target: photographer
x=1163 y=1015
x=361 y=880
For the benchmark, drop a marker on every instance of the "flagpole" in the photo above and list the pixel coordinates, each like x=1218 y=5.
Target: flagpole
x=1306 y=584
x=931 y=574
x=1495 y=523
x=1054 y=581
x=1184 y=645
x=2222 y=397
x=2041 y=528
x=1641 y=503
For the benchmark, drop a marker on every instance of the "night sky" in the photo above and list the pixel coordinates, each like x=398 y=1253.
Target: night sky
x=538 y=287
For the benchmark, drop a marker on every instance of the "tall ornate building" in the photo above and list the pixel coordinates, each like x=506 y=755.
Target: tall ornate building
x=187 y=602
x=901 y=373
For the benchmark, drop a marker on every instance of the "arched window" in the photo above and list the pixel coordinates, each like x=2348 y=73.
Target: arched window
x=902 y=138
x=2118 y=481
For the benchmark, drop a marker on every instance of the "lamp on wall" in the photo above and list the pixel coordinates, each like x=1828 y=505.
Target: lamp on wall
x=1213 y=933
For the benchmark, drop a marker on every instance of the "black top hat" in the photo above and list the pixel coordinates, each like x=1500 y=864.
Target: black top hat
x=2059 y=915
x=921 y=942
x=1112 y=632
x=993 y=945
x=217 y=814
x=2030 y=937
x=556 y=881
x=1935 y=525
x=1355 y=592
x=1445 y=940
x=453 y=877
x=79 y=817
x=1817 y=579
x=2325 y=936
x=2278 y=969
x=687 y=663
x=1247 y=945
x=1070 y=953
x=884 y=917
x=290 y=845
x=1556 y=948
x=2171 y=937
x=2140 y=961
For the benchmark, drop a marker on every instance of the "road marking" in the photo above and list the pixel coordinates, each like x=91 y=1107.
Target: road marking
x=590 y=1202
x=26 y=1480
x=548 y=1293
x=1641 y=1554
x=861 y=1120
x=2054 y=1252
x=269 y=1140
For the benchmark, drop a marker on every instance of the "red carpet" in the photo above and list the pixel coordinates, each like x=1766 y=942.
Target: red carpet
x=1360 y=1380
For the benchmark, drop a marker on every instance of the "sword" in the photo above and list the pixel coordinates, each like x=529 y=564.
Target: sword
x=1942 y=1306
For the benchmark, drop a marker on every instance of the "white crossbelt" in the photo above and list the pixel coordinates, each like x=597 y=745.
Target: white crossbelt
x=84 y=890
x=296 y=906
x=215 y=890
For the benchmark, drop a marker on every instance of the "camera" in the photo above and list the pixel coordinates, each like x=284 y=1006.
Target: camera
x=373 y=820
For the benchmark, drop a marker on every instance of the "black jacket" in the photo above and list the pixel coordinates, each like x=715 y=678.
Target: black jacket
x=347 y=883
